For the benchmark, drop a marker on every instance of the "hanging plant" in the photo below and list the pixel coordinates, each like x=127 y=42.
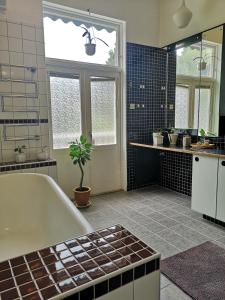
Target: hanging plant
x=90 y=46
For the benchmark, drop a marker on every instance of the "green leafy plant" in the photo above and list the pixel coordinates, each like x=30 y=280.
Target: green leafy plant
x=204 y=133
x=169 y=130
x=80 y=153
x=20 y=149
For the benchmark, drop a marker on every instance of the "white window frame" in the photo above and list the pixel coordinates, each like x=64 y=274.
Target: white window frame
x=193 y=83
x=62 y=66
x=117 y=25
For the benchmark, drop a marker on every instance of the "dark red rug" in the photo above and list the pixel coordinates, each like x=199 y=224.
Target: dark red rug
x=199 y=271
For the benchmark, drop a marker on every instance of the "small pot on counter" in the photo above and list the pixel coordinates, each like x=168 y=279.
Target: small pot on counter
x=186 y=141
x=20 y=157
x=173 y=138
x=157 y=139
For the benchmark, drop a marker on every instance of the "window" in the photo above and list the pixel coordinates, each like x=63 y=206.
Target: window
x=188 y=59
x=103 y=108
x=85 y=90
x=193 y=104
x=68 y=43
x=202 y=108
x=195 y=87
x=182 y=107
x=66 y=109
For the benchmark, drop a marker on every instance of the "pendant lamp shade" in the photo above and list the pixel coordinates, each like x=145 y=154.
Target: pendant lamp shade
x=182 y=16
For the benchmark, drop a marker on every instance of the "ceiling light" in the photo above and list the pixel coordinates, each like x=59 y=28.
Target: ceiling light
x=182 y=16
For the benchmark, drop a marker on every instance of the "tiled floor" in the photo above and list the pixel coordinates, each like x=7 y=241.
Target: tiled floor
x=161 y=218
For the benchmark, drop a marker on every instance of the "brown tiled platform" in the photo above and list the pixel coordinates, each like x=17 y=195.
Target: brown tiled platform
x=90 y=266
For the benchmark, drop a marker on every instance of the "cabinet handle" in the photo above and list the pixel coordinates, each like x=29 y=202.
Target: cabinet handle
x=223 y=163
x=196 y=159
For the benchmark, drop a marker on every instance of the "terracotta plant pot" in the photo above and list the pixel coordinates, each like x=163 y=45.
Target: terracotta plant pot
x=82 y=198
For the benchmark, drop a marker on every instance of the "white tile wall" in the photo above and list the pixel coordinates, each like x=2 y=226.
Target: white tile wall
x=22 y=44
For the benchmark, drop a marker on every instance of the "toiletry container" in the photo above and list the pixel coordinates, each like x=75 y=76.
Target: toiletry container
x=186 y=141
x=173 y=138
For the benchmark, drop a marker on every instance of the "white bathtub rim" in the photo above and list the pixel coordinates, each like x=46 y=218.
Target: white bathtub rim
x=83 y=223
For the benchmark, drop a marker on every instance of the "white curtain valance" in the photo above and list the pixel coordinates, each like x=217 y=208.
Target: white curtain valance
x=78 y=22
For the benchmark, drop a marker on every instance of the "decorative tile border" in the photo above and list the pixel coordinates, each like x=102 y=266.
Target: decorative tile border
x=23 y=121
x=27 y=165
x=75 y=267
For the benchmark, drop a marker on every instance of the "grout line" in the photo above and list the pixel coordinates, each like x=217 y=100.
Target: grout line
x=171 y=228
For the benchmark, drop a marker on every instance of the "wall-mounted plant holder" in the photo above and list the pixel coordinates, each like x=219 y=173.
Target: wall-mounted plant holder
x=19 y=86
x=11 y=111
x=20 y=72
x=8 y=137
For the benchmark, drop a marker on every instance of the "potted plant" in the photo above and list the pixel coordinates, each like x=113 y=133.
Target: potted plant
x=20 y=155
x=204 y=134
x=80 y=153
x=157 y=138
x=90 y=46
x=43 y=154
x=172 y=136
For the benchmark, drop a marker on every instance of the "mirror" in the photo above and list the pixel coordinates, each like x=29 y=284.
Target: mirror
x=210 y=71
x=187 y=83
x=193 y=85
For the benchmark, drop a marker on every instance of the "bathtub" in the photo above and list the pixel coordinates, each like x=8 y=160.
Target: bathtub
x=35 y=213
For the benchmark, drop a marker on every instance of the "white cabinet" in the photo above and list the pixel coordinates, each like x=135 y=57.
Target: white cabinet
x=220 y=213
x=204 y=185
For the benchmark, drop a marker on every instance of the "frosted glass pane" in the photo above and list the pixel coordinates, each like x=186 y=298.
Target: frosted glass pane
x=103 y=107
x=182 y=107
x=66 y=110
x=204 y=108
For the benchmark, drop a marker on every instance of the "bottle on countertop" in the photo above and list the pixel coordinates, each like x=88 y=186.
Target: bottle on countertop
x=186 y=141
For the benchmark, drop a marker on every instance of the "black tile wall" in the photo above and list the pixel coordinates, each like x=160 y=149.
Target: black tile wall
x=146 y=89
x=146 y=68
x=176 y=171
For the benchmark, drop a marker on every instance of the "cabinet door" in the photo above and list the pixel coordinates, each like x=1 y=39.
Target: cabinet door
x=204 y=185
x=220 y=213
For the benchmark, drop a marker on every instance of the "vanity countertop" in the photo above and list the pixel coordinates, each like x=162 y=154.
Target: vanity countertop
x=202 y=152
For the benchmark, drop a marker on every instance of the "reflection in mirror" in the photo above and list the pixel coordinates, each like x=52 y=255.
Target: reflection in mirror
x=197 y=94
x=209 y=90
x=188 y=80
